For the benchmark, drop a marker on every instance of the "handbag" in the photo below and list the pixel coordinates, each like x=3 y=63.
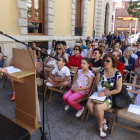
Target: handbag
x=122 y=99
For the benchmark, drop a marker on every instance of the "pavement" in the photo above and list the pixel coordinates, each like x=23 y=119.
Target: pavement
x=64 y=125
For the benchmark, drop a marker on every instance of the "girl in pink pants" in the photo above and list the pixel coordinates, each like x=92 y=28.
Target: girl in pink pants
x=80 y=88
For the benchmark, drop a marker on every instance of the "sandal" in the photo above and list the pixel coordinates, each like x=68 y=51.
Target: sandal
x=102 y=133
x=105 y=127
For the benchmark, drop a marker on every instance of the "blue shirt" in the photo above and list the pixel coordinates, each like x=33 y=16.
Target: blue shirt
x=2 y=61
x=122 y=37
x=68 y=51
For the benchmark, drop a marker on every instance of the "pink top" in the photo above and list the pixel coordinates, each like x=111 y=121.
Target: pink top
x=83 y=80
x=137 y=63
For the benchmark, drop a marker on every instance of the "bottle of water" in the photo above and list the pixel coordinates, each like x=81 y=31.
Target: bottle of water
x=99 y=88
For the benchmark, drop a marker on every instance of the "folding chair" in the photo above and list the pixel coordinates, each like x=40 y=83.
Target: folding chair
x=123 y=113
x=73 y=73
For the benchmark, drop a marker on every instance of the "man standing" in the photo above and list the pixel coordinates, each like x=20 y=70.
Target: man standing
x=90 y=53
x=121 y=37
x=109 y=39
x=102 y=37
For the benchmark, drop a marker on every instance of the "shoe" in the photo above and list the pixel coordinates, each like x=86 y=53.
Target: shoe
x=102 y=133
x=105 y=127
x=79 y=113
x=67 y=107
x=48 y=84
x=13 y=97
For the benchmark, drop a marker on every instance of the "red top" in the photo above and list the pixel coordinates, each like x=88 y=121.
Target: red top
x=75 y=61
x=120 y=67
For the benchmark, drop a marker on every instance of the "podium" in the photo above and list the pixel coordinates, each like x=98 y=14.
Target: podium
x=25 y=89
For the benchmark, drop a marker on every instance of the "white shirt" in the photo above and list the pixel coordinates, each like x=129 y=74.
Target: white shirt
x=134 y=56
x=86 y=51
x=61 y=73
x=100 y=38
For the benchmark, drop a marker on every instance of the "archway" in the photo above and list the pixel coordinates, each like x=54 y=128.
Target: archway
x=106 y=22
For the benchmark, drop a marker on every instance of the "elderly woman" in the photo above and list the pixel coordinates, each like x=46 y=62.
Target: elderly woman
x=117 y=48
x=75 y=60
x=96 y=61
x=106 y=76
x=127 y=59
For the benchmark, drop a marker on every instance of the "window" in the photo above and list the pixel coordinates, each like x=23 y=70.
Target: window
x=78 y=28
x=35 y=14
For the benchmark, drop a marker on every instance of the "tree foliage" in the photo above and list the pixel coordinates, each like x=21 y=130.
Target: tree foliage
x=134 y=8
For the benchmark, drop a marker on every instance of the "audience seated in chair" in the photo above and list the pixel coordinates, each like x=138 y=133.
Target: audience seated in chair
x=60 y=76
x=1 y=58
x=120 y=66
x=75 y=60
x=107 y=78
x=96 y=61
x=80 y=88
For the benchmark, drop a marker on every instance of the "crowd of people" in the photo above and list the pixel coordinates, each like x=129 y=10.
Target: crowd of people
x=97 y=59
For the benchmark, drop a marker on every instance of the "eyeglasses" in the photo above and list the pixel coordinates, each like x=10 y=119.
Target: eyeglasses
x=108 y=61
x=59 y=49
x=101 y=46
x=76 y=49
x=93 y=45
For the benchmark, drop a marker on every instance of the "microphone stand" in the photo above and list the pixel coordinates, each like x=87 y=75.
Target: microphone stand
x=43 y=55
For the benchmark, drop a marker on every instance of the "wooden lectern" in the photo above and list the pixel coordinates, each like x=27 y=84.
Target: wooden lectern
x=25 y=89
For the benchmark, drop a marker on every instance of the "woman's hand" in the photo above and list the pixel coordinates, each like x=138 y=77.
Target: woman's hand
x=107 y=92
x=75 y=90
x=3 y=70
x=101 y=94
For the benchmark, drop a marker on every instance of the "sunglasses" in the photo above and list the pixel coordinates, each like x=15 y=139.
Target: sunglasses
x=108 y=61
x=76 y=49
x=59 y=49
x=93 y=45
x=101 y=46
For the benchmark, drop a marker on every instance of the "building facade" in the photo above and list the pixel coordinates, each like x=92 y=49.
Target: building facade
x=45 y=20
x=123 y=21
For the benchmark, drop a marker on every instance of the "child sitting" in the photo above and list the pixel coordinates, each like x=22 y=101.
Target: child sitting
x=60 y=76
x=80 y=88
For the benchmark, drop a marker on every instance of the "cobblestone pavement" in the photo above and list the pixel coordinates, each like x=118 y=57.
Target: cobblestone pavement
x=64 y=125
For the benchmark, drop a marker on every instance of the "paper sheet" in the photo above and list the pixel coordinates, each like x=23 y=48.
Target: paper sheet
x=11 y=69
x=96 y=97
x=134 y=109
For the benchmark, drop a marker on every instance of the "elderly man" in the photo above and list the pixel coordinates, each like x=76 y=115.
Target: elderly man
x=127 y=59
x=90 y=53
x=102 y=37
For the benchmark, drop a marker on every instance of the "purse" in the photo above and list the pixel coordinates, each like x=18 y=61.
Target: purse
x=122 y=99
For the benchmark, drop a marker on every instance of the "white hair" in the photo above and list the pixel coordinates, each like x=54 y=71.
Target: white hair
x=129 y=49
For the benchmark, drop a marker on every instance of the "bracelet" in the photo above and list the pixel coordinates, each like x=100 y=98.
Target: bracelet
x=103 y=88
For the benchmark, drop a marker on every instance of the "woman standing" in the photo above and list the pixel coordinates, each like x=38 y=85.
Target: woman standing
x=106 y=76
x=1 y=58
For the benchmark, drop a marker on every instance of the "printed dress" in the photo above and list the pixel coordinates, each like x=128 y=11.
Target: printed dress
x=108 y=83
x=83 y=80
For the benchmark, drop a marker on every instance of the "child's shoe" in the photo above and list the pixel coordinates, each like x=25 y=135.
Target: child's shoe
x=48 y=84
x=79 y=113
x=67 y=107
